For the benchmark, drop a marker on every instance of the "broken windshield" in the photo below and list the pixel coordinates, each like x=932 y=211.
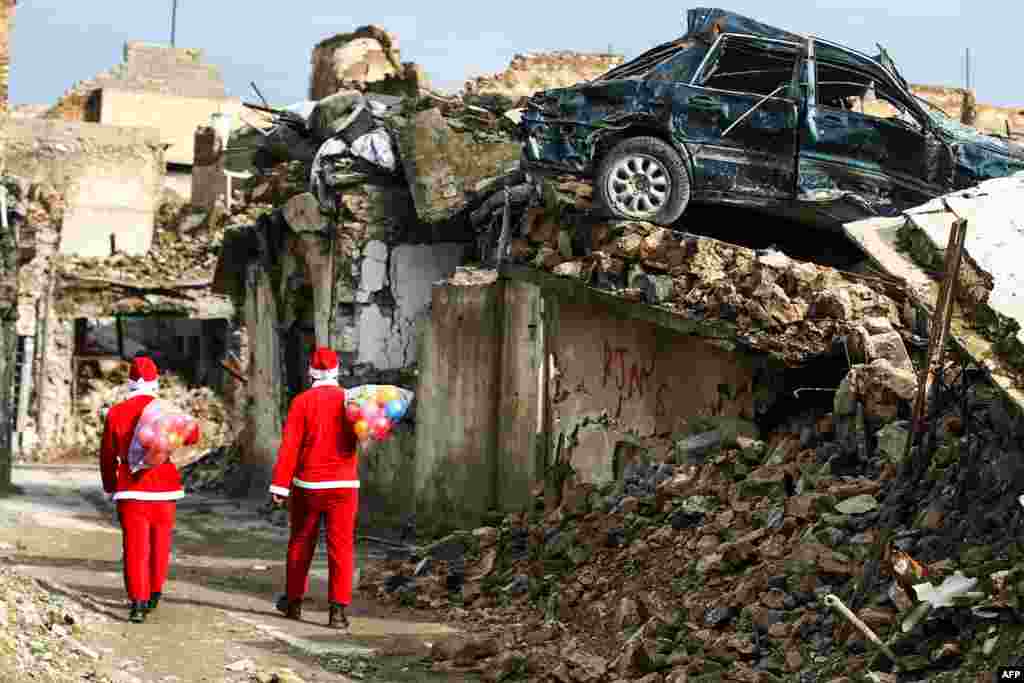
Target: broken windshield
x=643 y=64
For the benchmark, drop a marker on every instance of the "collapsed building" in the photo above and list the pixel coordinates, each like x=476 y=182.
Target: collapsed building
x=572 y=354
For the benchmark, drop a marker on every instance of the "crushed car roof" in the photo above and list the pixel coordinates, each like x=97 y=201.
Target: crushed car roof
x=705 y=24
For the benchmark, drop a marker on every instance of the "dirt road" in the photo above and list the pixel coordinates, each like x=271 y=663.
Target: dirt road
x=217 y=609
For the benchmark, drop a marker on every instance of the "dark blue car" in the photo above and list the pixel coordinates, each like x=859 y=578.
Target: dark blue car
x=739 y=112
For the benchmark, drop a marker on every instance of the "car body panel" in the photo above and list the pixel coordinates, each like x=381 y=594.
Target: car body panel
x=760 y=148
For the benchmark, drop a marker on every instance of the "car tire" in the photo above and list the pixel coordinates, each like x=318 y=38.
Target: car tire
x=643 y=178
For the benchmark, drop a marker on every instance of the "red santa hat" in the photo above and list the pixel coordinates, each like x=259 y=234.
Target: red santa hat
x=324 y=364
x=143 y=376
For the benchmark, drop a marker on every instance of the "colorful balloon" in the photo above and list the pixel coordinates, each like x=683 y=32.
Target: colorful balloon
x=371 y=410
x=354 y=412
x=362 y=429
x=193 y=432
x=161 y=443
x=146 y=436
x=390 y=393
x=395 y=409
x=381 y=427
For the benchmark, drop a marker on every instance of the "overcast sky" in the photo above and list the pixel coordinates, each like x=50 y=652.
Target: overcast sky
x=59 y=42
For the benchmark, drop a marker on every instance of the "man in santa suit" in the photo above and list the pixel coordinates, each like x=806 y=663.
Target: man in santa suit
x=317 y=471
x=146 y=500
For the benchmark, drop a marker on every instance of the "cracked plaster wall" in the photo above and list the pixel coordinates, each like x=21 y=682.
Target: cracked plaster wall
x=616 y=381
x=110 y=177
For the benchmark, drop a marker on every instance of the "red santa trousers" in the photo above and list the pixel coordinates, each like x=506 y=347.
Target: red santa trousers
x=339 y=507
x=146 y=527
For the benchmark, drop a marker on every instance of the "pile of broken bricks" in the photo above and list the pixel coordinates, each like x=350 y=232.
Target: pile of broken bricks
x=726 y=570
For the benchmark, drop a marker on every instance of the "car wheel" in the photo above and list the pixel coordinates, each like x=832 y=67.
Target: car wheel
x=643 y=178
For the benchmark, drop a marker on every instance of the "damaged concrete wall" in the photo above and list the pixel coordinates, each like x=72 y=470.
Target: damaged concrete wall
x=529 y=73
x=109 y=177
x=263 y=407
x=6 y=25
x=43 y=209
x=173 y=71
x=8 y=340
x=457 y=405
x=176 y=117
x=366 y=59
x=521 y=448
x=619 y=382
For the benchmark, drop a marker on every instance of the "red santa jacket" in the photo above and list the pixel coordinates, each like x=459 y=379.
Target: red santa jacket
x=318 y=447
x=162 y=482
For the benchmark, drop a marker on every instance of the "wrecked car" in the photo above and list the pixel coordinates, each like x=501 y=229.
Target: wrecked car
x=739 y=112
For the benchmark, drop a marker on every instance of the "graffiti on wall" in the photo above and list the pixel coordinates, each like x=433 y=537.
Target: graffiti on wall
x=633 y=377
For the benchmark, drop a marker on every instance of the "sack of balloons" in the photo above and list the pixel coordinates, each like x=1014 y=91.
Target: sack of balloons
x=162 y=429
x=373 y=409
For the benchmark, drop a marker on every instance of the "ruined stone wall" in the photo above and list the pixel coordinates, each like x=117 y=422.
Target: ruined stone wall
x=6 y=25
x=986 y=117
x=366 y=59
x=529 y=73
x=40 y=208
x=159 y=69
x=8 y=340
x=109 y=176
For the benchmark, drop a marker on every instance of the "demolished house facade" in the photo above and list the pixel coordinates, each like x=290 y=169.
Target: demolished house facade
x=549 y=347
x=568 y=356
x=698 y=439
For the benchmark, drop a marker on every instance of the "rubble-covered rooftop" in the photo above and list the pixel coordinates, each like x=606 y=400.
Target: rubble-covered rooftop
x=763 y=300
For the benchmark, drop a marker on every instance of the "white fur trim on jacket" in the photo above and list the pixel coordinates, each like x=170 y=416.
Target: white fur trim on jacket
x=325 y=383
x=149 y=495
x=142 y=388
x=279 y=491
x=323 y=374
x=342 y=484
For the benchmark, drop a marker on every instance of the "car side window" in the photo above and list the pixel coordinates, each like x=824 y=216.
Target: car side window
x=839 y=87
x=679 y=68
x=749 y=67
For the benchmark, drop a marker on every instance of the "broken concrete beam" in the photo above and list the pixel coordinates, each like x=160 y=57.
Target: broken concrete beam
x=302 y=213
x=443 y=167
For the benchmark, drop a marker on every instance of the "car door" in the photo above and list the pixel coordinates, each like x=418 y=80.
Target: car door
x=861 y=141
x=738 y=120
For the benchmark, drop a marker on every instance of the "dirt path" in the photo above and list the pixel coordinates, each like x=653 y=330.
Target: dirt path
x=217 y=608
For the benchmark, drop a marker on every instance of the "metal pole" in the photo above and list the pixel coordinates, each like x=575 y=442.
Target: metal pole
x=174 y=19
x=968 y=68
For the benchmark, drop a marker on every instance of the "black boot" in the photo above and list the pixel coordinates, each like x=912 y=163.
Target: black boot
x=154 y=600
x=138 y=613
x=336 y=617
x=290 y=609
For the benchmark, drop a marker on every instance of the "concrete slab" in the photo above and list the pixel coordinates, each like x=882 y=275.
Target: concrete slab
x=879 y=238
x=995 y=236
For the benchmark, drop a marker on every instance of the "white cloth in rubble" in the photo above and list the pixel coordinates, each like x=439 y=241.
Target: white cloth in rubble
x=331 y=148
x=376 y=148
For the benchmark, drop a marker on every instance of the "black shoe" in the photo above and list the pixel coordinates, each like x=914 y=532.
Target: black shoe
x=291 y=610
x=337 y=619
x=154 y=600
x=138 y=613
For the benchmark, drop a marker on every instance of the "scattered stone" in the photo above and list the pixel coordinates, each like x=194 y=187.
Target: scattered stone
x=857 y=505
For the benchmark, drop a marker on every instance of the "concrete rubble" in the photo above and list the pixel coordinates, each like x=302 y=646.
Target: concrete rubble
x=708 y=553
x=41 y=632
x=716 y=571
